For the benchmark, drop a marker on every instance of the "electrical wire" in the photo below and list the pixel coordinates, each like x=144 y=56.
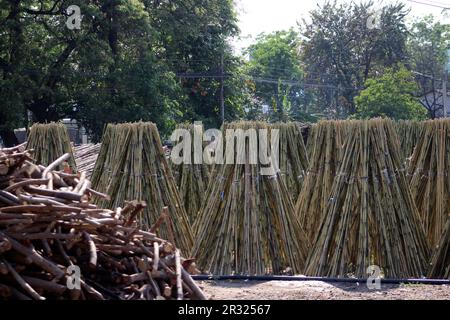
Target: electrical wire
x=429 y=4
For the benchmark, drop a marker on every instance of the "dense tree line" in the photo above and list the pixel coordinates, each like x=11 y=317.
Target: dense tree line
x=160 y=60
x=120 y=65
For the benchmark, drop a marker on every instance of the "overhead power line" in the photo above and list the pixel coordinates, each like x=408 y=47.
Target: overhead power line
x=429 y=4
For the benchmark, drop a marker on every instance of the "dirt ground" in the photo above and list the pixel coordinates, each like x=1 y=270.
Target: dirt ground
x=317 y=290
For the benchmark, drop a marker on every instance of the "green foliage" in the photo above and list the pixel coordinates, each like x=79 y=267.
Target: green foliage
x=274 y=76
x=390 y=95
x=120 y=66
x=427 y=48
x=342 y=50
x=127 y=60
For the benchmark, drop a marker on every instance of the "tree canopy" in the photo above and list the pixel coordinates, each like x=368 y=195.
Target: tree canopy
x=427 y=48
x=165 y=60
x=390 y=95
x=275 y=74
x=341 y=49
x=121 y=65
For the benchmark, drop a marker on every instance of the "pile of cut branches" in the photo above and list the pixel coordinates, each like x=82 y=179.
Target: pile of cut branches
x=55 y=244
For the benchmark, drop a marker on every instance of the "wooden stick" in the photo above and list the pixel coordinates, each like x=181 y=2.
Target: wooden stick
x=23 y=283
x=54 y=164
x=35 y=257
x=92 y=250
x=178 y=273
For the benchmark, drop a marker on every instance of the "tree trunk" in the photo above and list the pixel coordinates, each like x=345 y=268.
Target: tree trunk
x=9 y=138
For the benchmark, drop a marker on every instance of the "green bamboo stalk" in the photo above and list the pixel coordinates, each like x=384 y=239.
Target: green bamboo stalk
x=49 y=141
x=247 y=223
x=132 y=166
x=370 y=218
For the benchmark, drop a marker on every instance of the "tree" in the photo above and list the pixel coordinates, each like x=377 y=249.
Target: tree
x=274 y=75
x=427 y=47
x=120 y=66
x=194 y=35
x=390 y=95
x=342 y=47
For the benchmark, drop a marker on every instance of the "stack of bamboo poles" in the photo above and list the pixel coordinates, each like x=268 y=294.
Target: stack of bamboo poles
x=428 y=174
x=370 y=218
x=293 y=157
x=86 y=156
x=305 y=129
x=132 y=165
x=326 y=143
x=49 y=141
x=409 y=133
x=440 y=261
x=247 y=223
x=191 y=179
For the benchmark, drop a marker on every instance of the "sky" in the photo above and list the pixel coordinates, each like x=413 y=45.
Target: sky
x=257 y=16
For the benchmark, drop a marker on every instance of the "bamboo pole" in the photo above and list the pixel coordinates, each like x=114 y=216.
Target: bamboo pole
x=428 y=177
x=370 y=218
x=49 y=141
x=247 y=223
x=325 y=146
x=132 y=166
x=191 y=179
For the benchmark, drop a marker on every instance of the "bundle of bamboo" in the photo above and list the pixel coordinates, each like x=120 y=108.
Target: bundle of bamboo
x=440 y=261
x=409 y=133
x=370 y=218
x=191 y=179
x=293 y=157
x=326 y=148
x=132 y=165
x=86 y=156
x=247 y=221
x=49 y=141
x=428 y=174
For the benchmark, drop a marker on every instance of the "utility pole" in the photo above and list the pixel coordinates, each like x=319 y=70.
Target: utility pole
x=213 y=74
x=446 y=108
x=444 y=93
x=222 y=102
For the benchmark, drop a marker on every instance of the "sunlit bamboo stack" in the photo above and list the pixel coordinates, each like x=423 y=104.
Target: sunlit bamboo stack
x=49 y=141
x=370 y=218
x=247 y=223
x=326 y=147
x=409 y=133
x=86 y=156
x=429 y=179
x=192 y=179
x=440 y=261
x=132 y=165
x=293 y=156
